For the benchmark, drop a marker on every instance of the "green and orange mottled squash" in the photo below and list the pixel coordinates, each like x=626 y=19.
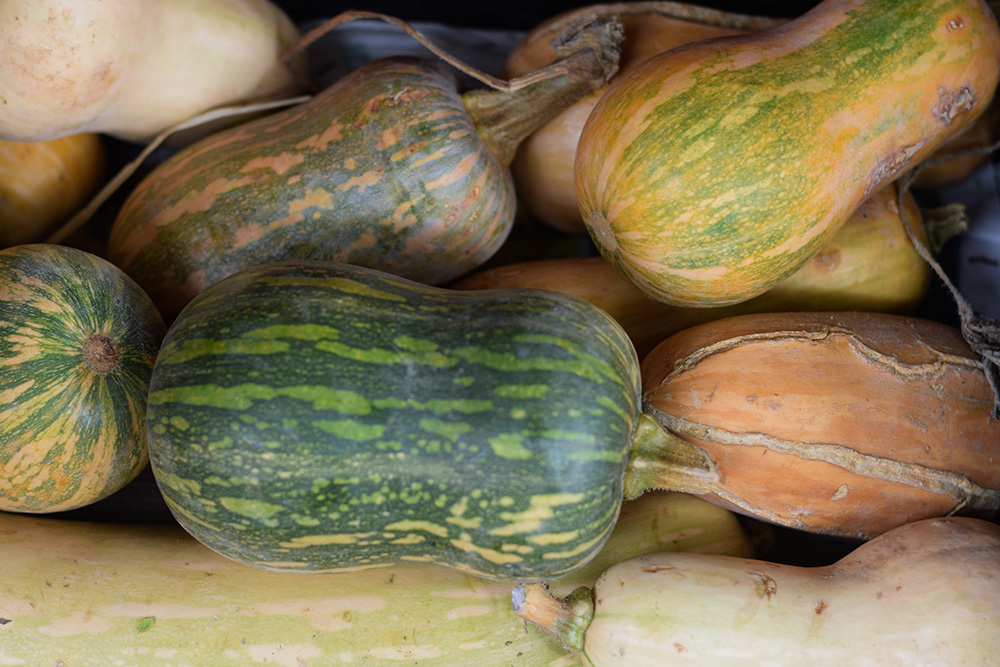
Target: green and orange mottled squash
x=870 y=264
x=390 y=167
x=90 y=594
x=543 y=165
x=711 y=172
x=77 y=343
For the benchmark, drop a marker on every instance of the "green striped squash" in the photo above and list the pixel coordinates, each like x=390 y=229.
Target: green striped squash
x=326 y=417
x=390 y=167
x=78 y=339
x=714 y=170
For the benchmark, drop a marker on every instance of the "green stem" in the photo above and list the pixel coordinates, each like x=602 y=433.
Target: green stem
x=587 y=57
x=658 y=459
x=567 y=618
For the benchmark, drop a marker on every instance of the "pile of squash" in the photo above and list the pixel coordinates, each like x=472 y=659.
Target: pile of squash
x=604 y=345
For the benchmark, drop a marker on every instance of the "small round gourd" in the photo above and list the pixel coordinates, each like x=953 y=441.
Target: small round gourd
x=77 y=343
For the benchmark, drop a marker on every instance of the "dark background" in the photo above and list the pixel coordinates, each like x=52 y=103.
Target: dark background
x=504 y=15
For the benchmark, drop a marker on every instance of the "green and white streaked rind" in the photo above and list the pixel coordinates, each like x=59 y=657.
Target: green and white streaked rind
x=319 y=416
x=710 y=172
x=383 y=169
x=69 y=434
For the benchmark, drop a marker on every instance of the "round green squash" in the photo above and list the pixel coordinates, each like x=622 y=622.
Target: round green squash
x=78 y=339
x=327 y=417
x=714 y=170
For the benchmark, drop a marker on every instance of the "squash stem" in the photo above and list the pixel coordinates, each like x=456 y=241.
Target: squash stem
x=658 y=459
x=944 y=223
x=588 y=53
x=567 y=618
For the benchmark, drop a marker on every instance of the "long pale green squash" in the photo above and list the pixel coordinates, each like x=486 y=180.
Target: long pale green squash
x=714 y=170
x=85 y=594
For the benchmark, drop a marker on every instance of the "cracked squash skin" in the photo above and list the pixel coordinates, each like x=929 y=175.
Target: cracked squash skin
x=326 y=417
x=843 y=423
x=712 y=171
x=382 y=169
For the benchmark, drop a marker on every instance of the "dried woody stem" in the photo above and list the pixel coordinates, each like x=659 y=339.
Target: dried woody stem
x=981 y=332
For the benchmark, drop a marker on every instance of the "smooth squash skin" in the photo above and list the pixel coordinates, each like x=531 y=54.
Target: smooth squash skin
x=922 y=594
x=91 y=595
x=844 y=423
x=315 y=416
x=44 y=182
x=133 y=68
x=543 y=166
x=77 y=343
x=711 y=172
x=390 y=168
x=870 y=264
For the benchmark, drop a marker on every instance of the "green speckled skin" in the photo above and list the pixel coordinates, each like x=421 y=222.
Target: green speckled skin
x=320 y=416
x=382 y=169
x=714 y=170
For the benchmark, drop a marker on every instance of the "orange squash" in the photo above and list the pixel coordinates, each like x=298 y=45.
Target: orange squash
x=44 y=182
x=843 y=423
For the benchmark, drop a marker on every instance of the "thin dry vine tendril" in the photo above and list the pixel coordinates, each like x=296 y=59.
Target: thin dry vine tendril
x=83 y=215
x=981 y=332
x=482 y=77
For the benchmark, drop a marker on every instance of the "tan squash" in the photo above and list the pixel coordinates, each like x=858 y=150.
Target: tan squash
x=927 y=593
x=543 y=166
x=133 y=68
x=44 y=182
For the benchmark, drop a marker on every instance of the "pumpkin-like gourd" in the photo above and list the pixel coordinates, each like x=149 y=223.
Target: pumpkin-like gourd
x=88 y=593
x=390 y=168
x=922 y=594
x=870 y=264
x=77 y=343
x=133 y=68
x=322 y=416
x=846 y=423
x=43 y=182
x=711 y=172
x=543 y=166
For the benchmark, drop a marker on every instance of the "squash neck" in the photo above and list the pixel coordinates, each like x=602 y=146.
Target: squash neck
x=661 y=460
x=587 y=57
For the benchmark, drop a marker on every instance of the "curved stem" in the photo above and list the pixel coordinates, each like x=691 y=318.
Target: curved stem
x=567 y=618
x=658 y=459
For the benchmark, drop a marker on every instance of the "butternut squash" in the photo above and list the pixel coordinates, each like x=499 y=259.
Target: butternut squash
x=927 y=593
x=133 y=68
